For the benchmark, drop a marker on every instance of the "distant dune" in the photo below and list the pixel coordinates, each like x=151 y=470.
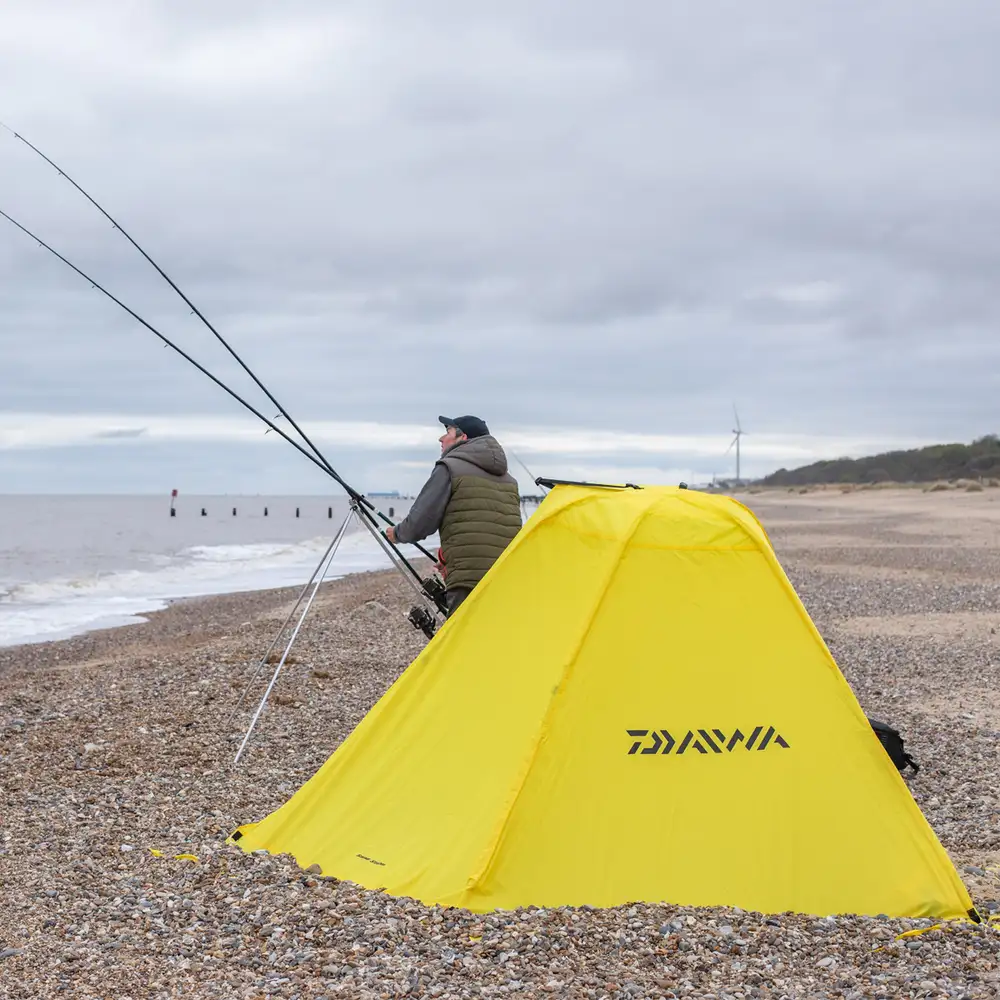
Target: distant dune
x=946 y=465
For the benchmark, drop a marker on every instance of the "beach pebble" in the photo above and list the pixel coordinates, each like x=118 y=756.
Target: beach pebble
x=104 y=917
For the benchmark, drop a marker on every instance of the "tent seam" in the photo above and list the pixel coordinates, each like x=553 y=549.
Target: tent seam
x=539 y=525
x=543 y=728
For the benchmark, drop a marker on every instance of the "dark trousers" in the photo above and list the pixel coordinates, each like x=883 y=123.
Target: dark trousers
x=455 y=596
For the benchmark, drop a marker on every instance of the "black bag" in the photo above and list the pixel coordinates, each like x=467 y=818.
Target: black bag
x=893 y=744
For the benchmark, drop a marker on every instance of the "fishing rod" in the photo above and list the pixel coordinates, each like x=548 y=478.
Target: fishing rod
x=433 y=589
x=366 y=504
x=166 y=277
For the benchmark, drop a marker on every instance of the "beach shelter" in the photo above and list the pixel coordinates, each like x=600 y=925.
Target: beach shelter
x=633 y=705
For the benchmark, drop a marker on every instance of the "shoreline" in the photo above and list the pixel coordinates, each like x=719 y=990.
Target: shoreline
x=196 y=617
x=69 y=571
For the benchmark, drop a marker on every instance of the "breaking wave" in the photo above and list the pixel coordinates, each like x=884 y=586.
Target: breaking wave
x=56 y=609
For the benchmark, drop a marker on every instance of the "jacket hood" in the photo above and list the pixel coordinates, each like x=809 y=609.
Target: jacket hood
x=484 y=452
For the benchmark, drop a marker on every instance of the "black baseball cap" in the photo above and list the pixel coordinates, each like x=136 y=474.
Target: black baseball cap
x=471 y=427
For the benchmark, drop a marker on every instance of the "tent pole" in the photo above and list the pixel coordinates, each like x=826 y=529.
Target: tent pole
x=332 y=552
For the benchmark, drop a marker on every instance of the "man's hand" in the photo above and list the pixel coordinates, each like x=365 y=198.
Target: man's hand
x=390 y=533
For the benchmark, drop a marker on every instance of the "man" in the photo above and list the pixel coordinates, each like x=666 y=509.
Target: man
x=471 y=500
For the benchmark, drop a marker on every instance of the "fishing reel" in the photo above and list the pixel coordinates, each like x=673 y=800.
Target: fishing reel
x=419 y=617
x=435 y=590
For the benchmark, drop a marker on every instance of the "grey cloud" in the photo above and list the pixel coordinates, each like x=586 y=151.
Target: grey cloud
x=122 y=433
x=395 y=210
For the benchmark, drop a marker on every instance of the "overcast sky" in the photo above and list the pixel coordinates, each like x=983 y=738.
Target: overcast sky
x=597 y=225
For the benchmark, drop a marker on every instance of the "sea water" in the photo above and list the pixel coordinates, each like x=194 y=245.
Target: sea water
x=69 y=564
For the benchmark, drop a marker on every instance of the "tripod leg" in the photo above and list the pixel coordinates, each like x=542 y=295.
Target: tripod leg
x=281 y=631
x=387 y=548
x=260 y=708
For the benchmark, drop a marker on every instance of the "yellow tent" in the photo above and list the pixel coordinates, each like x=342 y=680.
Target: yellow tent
x=633 y=705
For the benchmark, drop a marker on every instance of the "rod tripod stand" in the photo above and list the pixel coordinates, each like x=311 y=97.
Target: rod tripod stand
x=424 y=616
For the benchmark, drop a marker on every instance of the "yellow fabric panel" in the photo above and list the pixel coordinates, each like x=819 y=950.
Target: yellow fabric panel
x=496 y=772
x=427 y=772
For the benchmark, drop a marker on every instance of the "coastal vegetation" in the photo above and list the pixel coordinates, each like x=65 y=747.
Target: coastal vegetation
x=977 y=462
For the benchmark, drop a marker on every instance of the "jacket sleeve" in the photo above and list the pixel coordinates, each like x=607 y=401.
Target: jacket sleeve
x=428 y=509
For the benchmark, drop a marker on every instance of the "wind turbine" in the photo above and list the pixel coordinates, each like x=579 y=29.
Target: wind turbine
x=738 y=432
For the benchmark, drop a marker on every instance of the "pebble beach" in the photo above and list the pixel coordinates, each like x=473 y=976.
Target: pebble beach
x=118 y=791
